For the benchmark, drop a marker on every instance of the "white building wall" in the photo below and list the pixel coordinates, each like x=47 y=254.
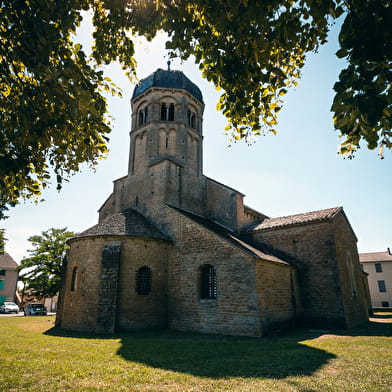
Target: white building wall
x=379 y=299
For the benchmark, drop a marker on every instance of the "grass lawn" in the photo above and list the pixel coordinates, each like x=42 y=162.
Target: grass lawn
x=35 y=356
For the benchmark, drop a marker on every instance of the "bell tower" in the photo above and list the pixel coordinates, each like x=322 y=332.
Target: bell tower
x=166 y=157
x=166 y=123
x=166 y=154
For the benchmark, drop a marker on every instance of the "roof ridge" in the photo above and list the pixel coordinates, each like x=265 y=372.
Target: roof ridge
x=309 y=212
x=302 y=218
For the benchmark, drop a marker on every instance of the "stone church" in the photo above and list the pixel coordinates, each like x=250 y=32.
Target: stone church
x=176 y=249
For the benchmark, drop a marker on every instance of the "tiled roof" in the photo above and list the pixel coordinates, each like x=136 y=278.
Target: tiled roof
x=125 y=223
x=375 y=256
x=6 y=261
x=168 y=79
x=231 y=237
x=298 y=219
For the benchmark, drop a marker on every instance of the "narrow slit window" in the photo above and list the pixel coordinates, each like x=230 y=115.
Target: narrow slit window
x=163 y=112
x=171 y=112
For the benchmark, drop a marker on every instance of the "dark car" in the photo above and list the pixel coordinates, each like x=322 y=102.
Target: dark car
x=35 y=309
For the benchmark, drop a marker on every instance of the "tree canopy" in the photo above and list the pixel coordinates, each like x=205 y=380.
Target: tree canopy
x=41 y=272
x=2 y=241
x=53 y=112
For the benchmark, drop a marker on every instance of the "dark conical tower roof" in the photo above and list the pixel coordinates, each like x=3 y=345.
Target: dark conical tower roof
x=168 y=79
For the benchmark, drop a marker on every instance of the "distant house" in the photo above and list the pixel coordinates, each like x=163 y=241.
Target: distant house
x=378 y=266
x=8 y=278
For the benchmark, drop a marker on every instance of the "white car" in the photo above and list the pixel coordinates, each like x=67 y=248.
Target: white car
x=9 y=307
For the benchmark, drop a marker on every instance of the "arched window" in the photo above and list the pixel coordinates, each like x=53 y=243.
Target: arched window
x=208 y=282
x=143 y=113
x=191 y=119
x=74 y=279
x=167 y=112
x=143 y=280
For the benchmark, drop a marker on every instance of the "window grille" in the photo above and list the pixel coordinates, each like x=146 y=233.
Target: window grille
x=208 y=282
x=143 y=280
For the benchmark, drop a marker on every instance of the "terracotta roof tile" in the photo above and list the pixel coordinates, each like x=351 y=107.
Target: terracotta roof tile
x=298 y=219
x=375 y=256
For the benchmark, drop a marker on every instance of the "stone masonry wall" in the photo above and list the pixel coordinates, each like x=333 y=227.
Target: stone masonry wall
x=222 y=204
x=235 y=311
x=313 y=246
x=105 y=300
x=108 y=288
x=80 y=306
x=350 y=275
x=136 y=311
x=277 y=290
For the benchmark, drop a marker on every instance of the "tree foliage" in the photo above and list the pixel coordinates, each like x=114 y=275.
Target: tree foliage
x=53 y=113
x=2 y=241
x=363 y=101
x=41 y=272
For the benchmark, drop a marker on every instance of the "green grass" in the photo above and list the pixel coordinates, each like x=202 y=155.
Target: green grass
x=35 y=356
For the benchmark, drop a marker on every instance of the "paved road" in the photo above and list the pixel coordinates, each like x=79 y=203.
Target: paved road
x=20 y=314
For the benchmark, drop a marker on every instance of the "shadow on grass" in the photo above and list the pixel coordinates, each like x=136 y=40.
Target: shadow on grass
x=377 y=326
x=215 y=356
x=279 y=355
x=227 y=358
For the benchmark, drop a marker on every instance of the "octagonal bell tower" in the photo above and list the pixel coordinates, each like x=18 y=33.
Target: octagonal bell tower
x=165 y=157
x=166 y=123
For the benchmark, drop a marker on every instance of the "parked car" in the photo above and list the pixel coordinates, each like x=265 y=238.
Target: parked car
x=9 y=307
x=35 y=309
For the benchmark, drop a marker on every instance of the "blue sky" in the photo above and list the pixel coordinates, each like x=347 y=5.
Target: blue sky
x=297 y=170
